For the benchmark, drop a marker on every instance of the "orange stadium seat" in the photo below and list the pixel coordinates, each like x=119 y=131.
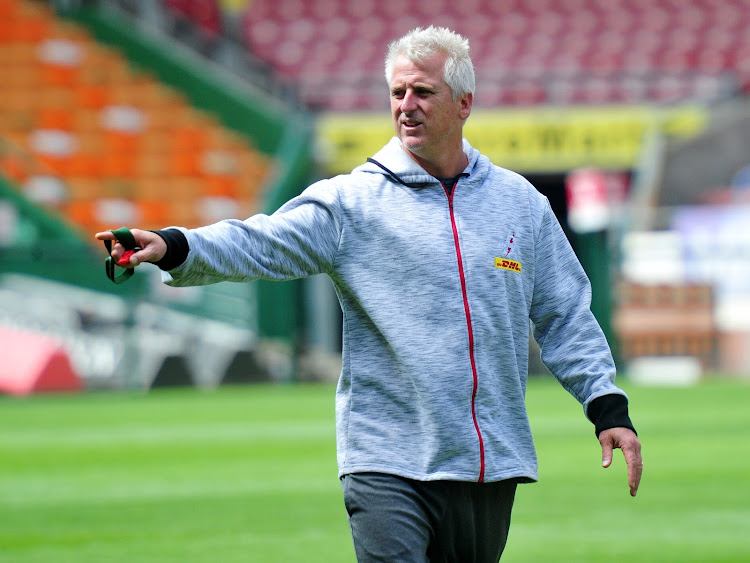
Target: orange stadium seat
x=30 y=28
x=92 y=96
x=153 y=213
x=150 y=165
x=55 y=164
x=222 y=185
x=80 y=212
x=124 y=143
x=12 y=166
x=18 y=76
x=118 y=165
x=59 y=75
x=85 y=164
x=83 y=188
x=8 y=8
x=54 y=118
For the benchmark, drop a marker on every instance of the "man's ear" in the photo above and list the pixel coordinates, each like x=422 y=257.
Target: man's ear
x=464 y=108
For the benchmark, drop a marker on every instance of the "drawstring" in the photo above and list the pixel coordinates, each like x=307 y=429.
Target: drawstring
x=393 y=176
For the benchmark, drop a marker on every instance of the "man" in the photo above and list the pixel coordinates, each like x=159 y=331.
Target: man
x=440 y=259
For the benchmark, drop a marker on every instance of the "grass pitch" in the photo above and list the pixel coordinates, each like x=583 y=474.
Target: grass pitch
x=249 y=474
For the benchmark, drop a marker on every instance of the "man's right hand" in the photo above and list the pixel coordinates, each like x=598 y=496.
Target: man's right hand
x=152 y=247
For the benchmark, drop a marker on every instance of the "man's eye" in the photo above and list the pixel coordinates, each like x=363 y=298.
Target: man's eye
x=397 y=94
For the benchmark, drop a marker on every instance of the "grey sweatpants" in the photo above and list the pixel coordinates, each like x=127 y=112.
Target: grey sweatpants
x=398 y=520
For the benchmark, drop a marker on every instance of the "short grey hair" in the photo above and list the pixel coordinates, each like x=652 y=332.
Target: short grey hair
x=422 y=43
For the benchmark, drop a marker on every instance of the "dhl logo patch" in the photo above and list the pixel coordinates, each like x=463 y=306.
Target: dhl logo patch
x=506 y=264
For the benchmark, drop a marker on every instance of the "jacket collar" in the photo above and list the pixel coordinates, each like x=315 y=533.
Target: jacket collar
x=393 y=157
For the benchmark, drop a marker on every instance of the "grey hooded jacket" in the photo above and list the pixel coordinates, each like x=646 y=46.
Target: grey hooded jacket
x=437 y=290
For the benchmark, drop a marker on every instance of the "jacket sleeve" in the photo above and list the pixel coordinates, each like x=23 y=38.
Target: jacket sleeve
x=298 y=240
x=572 y=343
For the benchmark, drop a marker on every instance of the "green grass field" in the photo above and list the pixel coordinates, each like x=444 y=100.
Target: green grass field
x=249 y=474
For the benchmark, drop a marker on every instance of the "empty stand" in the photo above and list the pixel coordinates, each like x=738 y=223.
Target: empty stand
x=525 y=52
x=666 y=320
x=126 y=148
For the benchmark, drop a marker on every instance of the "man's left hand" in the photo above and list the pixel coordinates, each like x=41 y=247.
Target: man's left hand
x=625 y=440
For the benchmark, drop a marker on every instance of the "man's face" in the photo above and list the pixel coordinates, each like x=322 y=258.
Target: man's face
x=426 y=118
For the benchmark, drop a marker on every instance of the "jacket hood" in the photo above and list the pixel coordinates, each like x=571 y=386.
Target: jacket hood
x=399 y=163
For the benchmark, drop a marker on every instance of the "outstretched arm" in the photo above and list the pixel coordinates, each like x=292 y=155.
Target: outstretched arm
x=627 y=441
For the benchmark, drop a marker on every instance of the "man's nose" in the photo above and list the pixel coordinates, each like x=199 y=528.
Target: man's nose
x=409 y=102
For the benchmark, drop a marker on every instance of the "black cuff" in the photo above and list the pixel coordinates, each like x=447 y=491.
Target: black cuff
x=177 y=248
x=609 y=411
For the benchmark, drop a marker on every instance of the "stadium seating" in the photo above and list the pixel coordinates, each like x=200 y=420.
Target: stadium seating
x=104 y=144
x=667 y=320
x=525 y=52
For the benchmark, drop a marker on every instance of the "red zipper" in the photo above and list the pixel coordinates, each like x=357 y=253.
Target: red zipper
x=470 y=331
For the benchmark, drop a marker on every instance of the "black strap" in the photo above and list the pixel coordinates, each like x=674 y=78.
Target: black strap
x=393 y=176
x=127 y=240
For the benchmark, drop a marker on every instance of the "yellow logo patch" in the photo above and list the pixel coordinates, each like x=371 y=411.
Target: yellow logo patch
x=506 y=264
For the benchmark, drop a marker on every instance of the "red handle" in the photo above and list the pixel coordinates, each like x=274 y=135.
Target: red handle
x=125 y=258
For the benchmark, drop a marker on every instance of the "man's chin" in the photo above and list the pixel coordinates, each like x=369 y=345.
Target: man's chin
x=412 y=144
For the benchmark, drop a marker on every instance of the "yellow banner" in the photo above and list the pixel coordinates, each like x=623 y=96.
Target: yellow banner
x=527 y=140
